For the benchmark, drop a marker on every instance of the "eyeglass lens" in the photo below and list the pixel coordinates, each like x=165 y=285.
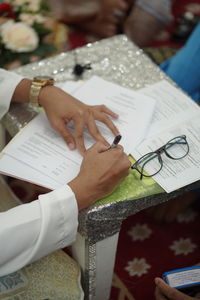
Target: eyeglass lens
x=176 y=148
x=180 y=147
x=151 y=162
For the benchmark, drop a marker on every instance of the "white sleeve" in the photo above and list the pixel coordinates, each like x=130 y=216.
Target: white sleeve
x=8 y=82
x=30 y=231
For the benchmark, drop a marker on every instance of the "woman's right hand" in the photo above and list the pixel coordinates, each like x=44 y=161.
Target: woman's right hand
x=101 y=171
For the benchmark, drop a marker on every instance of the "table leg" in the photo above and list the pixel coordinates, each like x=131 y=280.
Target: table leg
x=97 y=264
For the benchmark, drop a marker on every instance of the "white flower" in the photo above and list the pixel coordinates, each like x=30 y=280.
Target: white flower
x=187 y=216
x=19 y=37
x=30 y=18
x=34 y=5
x=19 y=2
x=140 y=232
x=137 y=267
x=183 y=246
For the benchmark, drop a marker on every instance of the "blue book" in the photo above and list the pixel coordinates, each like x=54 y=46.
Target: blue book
x=186 y=280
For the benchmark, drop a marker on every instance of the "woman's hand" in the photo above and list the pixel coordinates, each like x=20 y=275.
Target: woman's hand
x=102 y=169
x=61 y=108
x=113 y=11
x=165 y=292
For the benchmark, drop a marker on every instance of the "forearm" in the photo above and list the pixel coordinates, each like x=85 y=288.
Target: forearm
x=22 y=90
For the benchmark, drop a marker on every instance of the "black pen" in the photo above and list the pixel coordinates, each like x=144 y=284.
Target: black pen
x=115 y=142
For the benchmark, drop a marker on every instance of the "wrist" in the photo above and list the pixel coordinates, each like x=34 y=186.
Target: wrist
x=38 y=83
x=21 y=93
x=43 y=96
x=84 y=195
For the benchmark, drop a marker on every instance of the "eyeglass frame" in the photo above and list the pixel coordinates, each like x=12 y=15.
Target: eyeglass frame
x=158 y=153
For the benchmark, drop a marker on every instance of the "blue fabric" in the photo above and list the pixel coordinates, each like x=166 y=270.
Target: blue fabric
x=184 y=66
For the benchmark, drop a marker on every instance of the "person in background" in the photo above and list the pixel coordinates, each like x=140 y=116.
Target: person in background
x=140 y=20
x=184 y=67
x=146 y=19
x=31 y=231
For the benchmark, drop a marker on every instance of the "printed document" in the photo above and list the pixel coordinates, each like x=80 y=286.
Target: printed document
x=43 y=154
x=172 y=106
x=148 y=119
x=175 y=114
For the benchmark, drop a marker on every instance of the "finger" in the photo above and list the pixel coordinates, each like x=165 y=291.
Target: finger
x=118 y=148
x=94 y=131
x=108 y=111
x=79 y=135
x=99 y=147
x=169 y=292
x=125 y=173
x=159 y=295
x=123 y=162
x=61 y=128
x=104 y=119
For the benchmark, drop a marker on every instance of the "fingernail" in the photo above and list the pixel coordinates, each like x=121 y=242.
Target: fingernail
x=71 y=146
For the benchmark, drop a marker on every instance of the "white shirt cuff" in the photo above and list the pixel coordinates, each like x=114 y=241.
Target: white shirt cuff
x=8 y=82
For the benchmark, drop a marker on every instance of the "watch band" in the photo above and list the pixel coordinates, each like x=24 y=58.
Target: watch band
x=36 y=86
x=34 y=93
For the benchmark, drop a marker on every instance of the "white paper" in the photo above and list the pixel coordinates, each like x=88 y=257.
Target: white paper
x=172 y=106
x=39 y=147
x=176 y=115
x=46 y=160
x=134 y=109
x=71 y=86
x=12 y=167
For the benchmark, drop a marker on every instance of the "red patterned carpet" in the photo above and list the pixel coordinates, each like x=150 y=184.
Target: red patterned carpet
x=147 y=248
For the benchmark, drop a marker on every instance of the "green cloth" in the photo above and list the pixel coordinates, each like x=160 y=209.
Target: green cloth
x=133 y=188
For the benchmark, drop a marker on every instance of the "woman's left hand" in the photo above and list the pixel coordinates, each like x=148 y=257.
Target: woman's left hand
x=61 y=108
x=165 y=292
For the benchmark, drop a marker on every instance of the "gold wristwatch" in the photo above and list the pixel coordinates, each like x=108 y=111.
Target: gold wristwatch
x=36 y=85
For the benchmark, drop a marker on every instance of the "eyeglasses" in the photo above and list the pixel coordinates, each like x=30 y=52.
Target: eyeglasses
x=175 y=148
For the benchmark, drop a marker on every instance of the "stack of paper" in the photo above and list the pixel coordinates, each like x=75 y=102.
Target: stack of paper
x=148 y=119
x=175 y=114
x=39 y=155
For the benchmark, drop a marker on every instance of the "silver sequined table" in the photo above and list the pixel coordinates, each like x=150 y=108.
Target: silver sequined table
x=118 y=60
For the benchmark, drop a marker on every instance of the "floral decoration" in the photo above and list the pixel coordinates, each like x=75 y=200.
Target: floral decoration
x=140 y=232
x=137 y=267
x=25 y=26
x=183 y=246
